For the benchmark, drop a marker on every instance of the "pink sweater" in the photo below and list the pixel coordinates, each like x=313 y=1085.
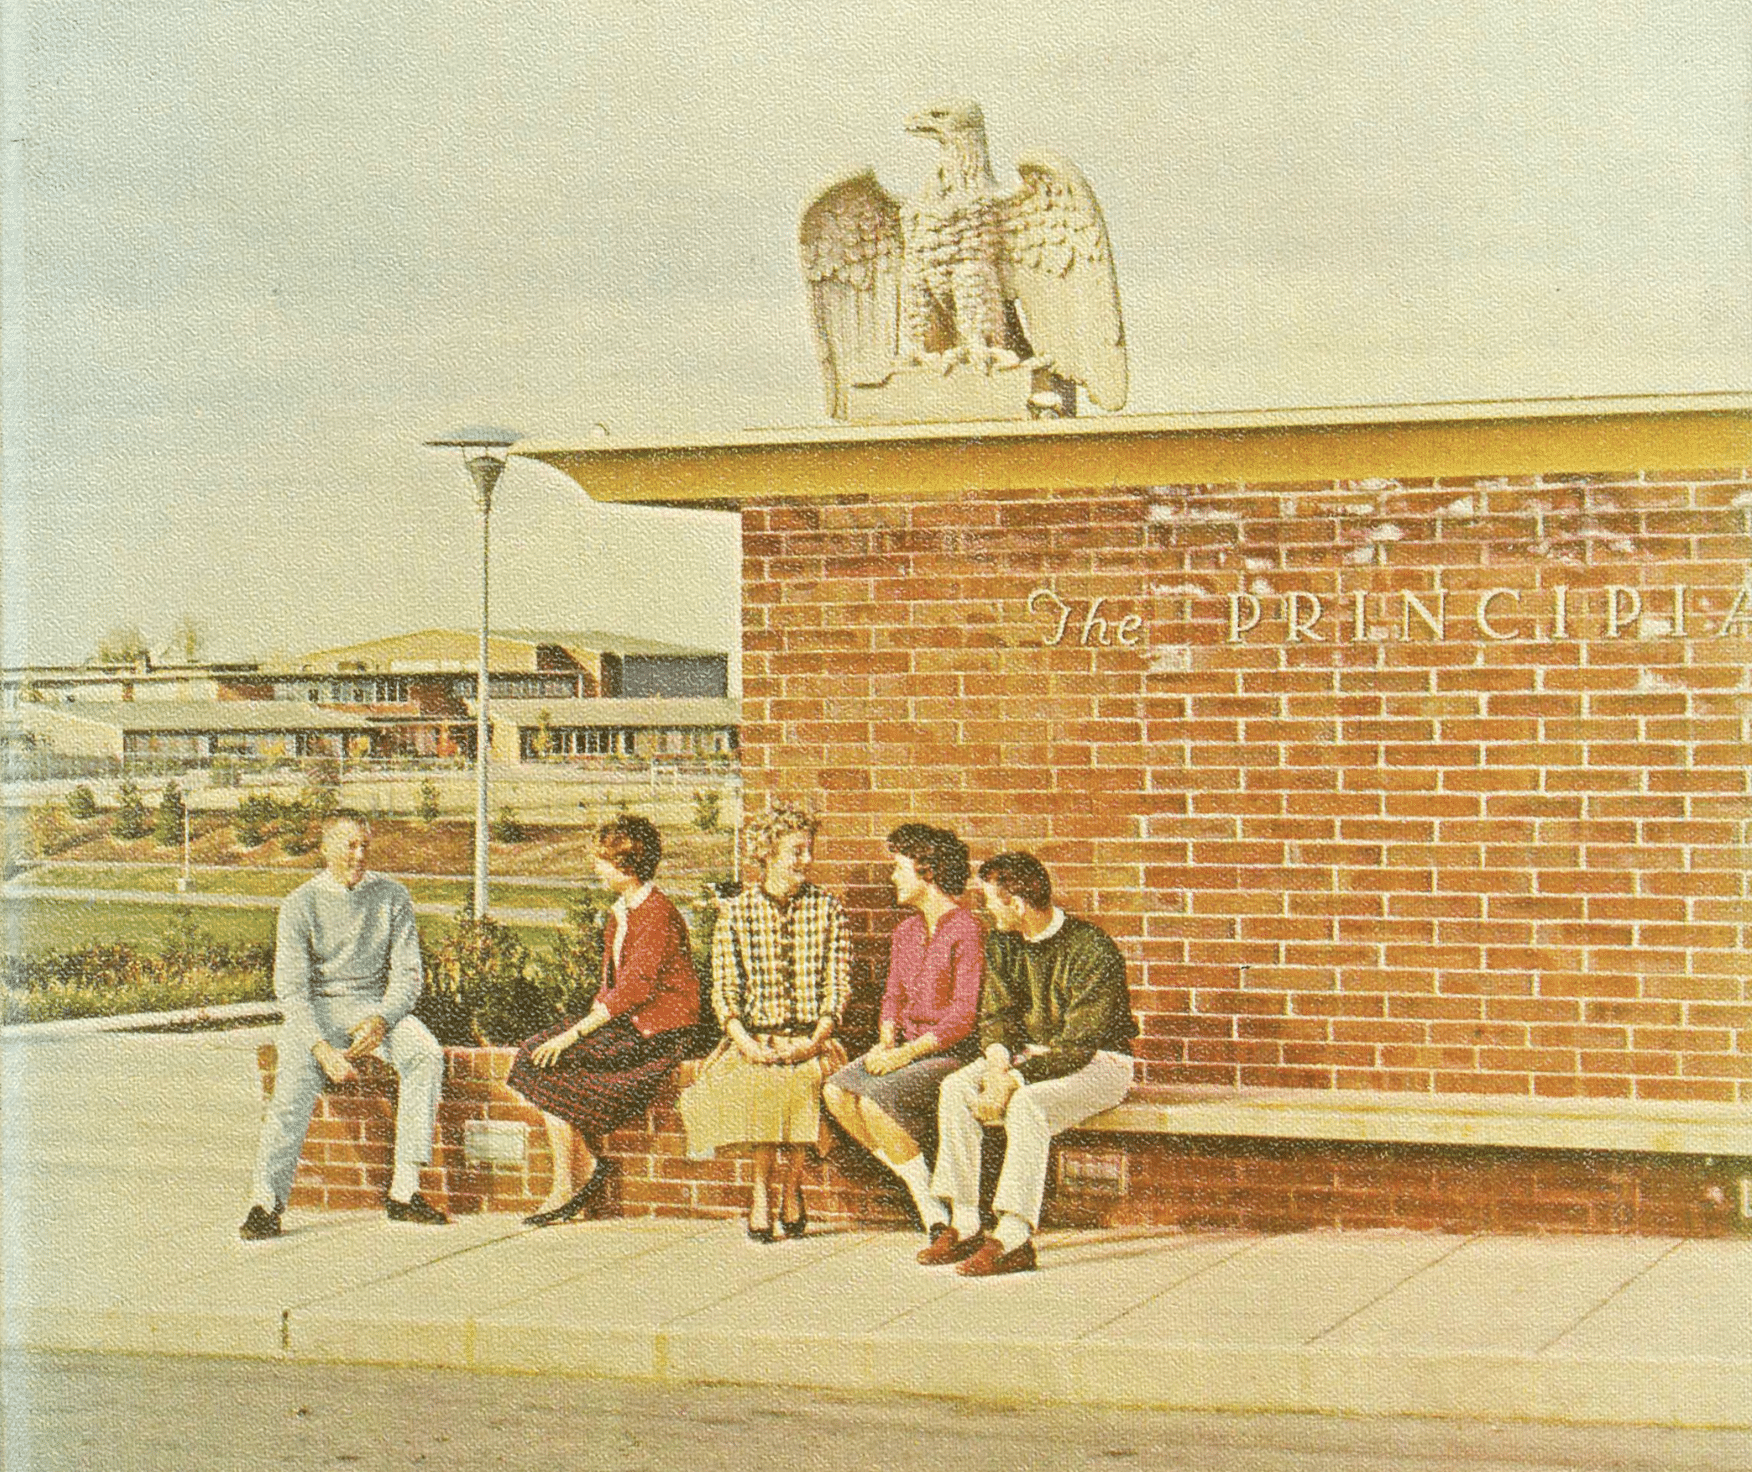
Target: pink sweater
x=933 y=985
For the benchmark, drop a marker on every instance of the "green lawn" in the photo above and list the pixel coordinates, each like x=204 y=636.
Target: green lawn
x=31 y=927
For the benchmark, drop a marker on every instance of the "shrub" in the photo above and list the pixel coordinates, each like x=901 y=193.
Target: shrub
x=167 y=826
x=50 y=830
x=479 y=987
x=570 y=970
x=299 y=832
x=428 y=801
x=252 y=819
x=132 y=820
x=507 y=828
x=81 y=803
x=708 y=806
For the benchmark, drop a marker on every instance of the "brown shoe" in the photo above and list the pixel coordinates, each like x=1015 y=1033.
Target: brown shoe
x=991 y=1259
x=947 y=1247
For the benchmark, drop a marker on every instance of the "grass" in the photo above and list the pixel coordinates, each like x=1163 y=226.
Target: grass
x=277 y=884
x=32 y=927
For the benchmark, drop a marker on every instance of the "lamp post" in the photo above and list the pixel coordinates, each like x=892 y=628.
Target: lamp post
x=483 y=452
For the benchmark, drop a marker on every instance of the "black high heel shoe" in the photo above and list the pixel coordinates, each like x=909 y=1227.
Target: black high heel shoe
x=592 y=1191
x=798 y=1224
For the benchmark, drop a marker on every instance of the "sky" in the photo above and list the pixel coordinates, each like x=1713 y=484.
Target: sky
x=256 y=252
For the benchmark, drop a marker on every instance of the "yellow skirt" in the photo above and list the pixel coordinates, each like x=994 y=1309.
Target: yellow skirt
x=734 y=1102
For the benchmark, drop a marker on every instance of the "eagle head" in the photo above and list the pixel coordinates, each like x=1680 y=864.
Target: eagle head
x=958 y=125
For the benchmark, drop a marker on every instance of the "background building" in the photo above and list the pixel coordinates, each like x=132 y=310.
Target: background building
x=409 y=696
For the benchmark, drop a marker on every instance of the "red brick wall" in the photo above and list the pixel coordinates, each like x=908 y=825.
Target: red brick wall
x=1386 y=862
x=1248 y=1185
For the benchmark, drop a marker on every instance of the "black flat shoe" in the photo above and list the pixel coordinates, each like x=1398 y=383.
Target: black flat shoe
x=798 y=1224
x=260 y=1225
x=416 y=1209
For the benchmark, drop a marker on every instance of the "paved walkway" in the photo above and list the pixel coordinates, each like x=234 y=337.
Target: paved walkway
x=125 y=1167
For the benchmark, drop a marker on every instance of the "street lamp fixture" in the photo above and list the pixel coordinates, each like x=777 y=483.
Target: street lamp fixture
x=483 y=451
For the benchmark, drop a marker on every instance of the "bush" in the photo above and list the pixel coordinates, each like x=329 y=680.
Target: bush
x=254 y=816
x=428 y=801
x=299 y=832
x=570 y=970
x=50 y=830
x=167 y=826
x=81 y=803
x=480 y=987
x=507 y=828
x=132 y=820
x=708 y=806
x=191 y=970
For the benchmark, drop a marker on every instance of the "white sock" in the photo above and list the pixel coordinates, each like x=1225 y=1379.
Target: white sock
x=404 y=1183
x=965 y=1219
x=1012 y=1231
x=265 y=1200
x=918 y=1181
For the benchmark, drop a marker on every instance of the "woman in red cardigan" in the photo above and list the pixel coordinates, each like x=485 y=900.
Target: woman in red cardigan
x=590 y=1076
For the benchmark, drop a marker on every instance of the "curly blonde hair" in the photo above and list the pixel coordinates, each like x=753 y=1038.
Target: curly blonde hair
x=763 y=834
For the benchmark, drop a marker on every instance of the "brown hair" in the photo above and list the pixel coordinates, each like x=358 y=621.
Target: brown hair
x=937 y=854
x=632 y=844
x=1020 y=875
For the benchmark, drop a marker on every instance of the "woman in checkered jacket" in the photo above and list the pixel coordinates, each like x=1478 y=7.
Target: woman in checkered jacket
x=781 y=975
x=590 y=1075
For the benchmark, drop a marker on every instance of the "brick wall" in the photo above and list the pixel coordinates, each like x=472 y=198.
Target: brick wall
x=1387 y=840
x=1098 y=1180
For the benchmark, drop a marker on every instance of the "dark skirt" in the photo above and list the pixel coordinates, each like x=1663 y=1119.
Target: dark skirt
x=601 y=1081
x=908 y=1096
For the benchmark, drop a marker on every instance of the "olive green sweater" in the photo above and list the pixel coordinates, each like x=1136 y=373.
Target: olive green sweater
x=1065 y=994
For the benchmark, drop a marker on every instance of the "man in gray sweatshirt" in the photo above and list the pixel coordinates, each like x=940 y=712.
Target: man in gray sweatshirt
x=347 y=975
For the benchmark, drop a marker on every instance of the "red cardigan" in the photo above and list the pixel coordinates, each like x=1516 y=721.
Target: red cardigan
x=655 y=986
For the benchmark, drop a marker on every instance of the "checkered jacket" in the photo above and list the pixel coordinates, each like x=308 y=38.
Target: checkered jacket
x=780 y=968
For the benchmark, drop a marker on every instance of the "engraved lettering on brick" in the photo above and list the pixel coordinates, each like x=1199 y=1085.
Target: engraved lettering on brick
x=1238 y=602
x=1063 y=614
x=1623 y=608
x=1483 y=617
x=1302 y=612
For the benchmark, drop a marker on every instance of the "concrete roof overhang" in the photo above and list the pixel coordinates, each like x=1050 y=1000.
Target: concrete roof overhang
x=1262 y=447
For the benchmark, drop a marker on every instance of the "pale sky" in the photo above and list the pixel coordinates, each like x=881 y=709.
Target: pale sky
x=255 y=253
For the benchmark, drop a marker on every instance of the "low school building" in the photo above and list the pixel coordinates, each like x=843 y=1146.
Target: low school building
x=1405 y=753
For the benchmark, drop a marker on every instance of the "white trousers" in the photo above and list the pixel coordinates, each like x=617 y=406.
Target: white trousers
x=1035 y=1114
x=409 y=1048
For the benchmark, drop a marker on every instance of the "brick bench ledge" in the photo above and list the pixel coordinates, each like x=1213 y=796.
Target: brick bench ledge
x=1683 y=1127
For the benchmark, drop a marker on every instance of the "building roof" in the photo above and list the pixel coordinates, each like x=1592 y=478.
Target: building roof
x=1261 y=447
x=643 y=712
x=508 y=651
x=200 y=715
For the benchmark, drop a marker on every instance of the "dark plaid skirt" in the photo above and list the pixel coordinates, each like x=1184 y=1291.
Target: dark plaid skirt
x=601 y=1081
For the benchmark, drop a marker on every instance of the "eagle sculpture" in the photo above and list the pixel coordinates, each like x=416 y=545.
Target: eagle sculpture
x=965 y=274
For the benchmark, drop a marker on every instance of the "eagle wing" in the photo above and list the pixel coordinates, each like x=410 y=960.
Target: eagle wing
x=850 y=243
x=1057 y=266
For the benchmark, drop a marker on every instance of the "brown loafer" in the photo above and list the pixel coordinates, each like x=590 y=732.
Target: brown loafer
x=947 y=1247
x=991 y=1260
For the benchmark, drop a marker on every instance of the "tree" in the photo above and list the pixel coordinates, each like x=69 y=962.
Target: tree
x=122 y=644
x=507 y=828
x=132 y=820
x=187 y=642
x=428 y=801
x=81 y=803
x=167 y=827
x=249 y=824
x=708 y=806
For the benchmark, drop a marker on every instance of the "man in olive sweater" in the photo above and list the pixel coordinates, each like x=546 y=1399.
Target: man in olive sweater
x=1056 y=1025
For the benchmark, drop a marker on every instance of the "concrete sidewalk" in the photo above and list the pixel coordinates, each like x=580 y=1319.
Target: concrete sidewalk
x=125 y=1167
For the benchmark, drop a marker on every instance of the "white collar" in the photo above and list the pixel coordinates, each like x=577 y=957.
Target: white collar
x=627 y=903
x=1053 y=926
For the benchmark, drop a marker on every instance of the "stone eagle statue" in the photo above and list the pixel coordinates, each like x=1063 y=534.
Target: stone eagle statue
x=965 y=274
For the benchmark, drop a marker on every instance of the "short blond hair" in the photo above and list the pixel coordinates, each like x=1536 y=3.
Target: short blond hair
x=763 y=834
